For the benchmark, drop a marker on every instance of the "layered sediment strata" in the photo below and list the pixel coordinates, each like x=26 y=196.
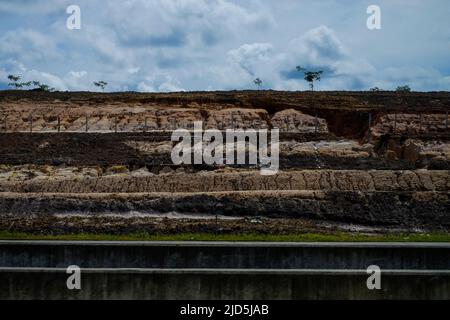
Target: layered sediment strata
x=371 y=208
x=371 y=159
x=411 y=123
x=295 y=121
x=154 y=151
x=383 y=198
x=120 y=180
x=237 y=118
x=57 y=117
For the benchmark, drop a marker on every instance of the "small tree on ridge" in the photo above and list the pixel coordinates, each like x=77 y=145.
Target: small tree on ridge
x=101 y=84
x=310 y=76
x=258 y=82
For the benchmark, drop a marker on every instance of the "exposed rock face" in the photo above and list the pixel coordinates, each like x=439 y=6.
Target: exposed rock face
x=237 y=118
x=434 y=154
x=342 y=148
x=110 y=118
x=117 y=180
x=154 y=150
x=295 y=121
x=411 y=151
x=346 y=157
x=372 y=208
x=411 y=124
x=133 y=118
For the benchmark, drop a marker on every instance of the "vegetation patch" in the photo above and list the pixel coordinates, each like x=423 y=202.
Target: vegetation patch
x=301 y=237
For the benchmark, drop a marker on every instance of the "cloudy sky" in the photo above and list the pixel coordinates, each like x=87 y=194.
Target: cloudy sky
x=174 y=45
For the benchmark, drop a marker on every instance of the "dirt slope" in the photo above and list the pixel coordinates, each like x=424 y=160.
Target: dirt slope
x=374 y=159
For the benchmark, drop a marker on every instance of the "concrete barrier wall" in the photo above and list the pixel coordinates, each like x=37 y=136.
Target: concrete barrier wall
x=243 y=255
x=222 y=284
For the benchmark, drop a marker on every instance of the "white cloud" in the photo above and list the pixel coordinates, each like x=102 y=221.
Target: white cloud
x=416 y=77
x=321 y=49
x=28 y=46
x=32 y=7
x=77 y=74
x=319 y=46
x=144 y=87
x=169 y=87
x=45 y=78
x=153 y=84
x=177 y=23
x=251 y=56
x=160 y=45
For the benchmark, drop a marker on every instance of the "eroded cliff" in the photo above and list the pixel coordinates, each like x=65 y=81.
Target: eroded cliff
x=378 y=159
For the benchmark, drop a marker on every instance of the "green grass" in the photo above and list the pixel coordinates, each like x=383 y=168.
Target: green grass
x=306 y=237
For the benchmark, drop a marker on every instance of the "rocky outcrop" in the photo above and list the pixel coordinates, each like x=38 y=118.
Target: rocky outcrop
x=431 y=154
x=154 y=151
x=372 y=208
x=295 y=121
x=413 y=124
x=109 y=118
x=228 y=180
x=237 y=118
x=367 y=158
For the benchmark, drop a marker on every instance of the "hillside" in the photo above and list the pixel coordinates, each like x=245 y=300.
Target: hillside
x=376 y=160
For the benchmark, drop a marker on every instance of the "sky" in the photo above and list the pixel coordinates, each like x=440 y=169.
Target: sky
x=192 y=45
